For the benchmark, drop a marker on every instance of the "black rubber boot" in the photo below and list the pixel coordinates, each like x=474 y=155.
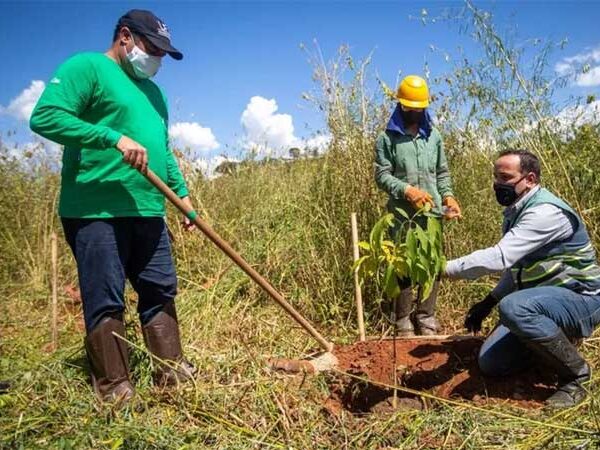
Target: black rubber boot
x=562 y=356
x=4 y=387
x=425 y=322
x=403 y=307
x=162 y=338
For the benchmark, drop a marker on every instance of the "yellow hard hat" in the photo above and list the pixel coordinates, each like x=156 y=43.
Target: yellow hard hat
x=413 y=92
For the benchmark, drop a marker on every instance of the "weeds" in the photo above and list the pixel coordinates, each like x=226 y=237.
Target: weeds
x=291 y=220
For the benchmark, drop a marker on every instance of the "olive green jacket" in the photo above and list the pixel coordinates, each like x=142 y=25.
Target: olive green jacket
x=402 y=160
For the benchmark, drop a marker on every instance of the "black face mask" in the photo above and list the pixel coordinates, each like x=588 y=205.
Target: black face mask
x=412 y=117
x=506 y=194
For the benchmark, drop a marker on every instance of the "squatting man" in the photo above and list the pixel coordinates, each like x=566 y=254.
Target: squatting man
x=548 y=295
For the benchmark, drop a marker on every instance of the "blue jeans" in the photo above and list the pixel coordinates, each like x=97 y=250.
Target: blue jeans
x=532 y=314
x=109 y=251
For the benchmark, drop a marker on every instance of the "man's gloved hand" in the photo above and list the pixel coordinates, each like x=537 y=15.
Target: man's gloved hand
x=453 y=208
x=478 y=312
x=417 y=197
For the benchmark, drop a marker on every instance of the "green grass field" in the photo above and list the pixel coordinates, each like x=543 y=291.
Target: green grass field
x=291 y=221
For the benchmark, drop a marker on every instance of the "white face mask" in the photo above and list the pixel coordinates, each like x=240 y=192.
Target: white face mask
x=144 y=65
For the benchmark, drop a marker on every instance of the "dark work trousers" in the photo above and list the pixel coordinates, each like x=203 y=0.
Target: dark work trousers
x=407 y=299
x=536 y=313
x=109 y=251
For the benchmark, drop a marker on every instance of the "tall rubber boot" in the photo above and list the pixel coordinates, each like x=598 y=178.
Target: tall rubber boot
x=562 y=356
x=403 y=306
x=4 y=387
x=108 y=356
x=162 y=338
x=425 y=322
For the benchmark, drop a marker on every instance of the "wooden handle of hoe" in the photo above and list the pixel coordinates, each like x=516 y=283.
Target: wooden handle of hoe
x=229 y=251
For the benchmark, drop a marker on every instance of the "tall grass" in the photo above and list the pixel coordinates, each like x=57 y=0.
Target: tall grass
x=290 y=219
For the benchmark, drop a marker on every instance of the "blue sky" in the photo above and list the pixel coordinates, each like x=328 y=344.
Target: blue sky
x=238 y=50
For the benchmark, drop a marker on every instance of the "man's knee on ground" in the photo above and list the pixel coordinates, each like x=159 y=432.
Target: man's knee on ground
x=492 y=358
x=487 y=364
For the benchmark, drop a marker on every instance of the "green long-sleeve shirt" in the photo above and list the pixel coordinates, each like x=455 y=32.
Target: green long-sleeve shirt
x=402 y=160
x=87 y=106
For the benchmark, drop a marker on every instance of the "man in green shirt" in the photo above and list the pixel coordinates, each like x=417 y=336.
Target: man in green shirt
x=113 y=218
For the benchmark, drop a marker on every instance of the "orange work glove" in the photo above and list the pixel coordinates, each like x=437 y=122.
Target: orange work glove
x=453 y=211
x=417 y=197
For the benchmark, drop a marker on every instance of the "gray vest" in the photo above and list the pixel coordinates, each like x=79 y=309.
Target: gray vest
x=570 y=263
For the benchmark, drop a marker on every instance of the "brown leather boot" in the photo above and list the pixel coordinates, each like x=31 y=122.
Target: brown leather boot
x=108 y=356
x=425 y=322
x=162 y=338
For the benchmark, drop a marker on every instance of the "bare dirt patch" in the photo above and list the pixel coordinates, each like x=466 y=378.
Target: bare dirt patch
x=445 y=368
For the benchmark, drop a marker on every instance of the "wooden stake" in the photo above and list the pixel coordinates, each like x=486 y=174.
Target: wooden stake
x=357 y=291
x=394 y=335
x=54 y=250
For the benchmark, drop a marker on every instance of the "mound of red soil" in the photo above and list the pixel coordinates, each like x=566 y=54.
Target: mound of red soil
x=444 y=368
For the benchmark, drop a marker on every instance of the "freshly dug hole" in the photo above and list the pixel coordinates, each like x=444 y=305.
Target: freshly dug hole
x=446 y=368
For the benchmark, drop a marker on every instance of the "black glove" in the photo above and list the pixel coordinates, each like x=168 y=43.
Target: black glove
x=478 y=312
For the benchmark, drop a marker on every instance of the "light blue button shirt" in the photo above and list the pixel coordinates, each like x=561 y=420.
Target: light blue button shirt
x=537 y=227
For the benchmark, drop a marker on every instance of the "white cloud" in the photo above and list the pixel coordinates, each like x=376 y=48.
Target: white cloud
x=592 y=55
x=569 y=119
x=40 y=150
x=578 y=115
x=589 y=78
x=585 y=67
x=194 y=136
x=32 y=154
x=266 y=131
x=563 y=68
x=22 y=105
x=319 y=143
x=208 y=165
x=270 y=133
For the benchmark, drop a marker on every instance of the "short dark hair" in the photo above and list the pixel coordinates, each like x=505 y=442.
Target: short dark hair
x=118 y=30
x=527 y=160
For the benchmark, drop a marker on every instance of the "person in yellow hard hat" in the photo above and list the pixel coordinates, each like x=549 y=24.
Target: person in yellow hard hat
x=411 y=167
